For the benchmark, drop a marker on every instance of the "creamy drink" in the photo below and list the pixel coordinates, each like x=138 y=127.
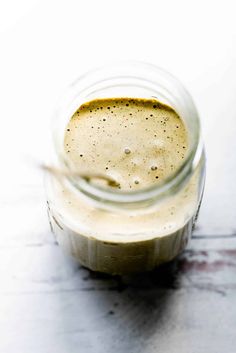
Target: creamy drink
x=140 y=144
x=137 y=142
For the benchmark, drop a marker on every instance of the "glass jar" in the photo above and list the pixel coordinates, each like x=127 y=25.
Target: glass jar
x=123 y=232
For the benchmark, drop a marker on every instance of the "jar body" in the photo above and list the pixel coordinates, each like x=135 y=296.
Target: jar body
x=124 y=242
x=116 y=239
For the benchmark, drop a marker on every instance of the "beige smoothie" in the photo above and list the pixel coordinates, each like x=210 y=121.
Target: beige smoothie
x=138 y=143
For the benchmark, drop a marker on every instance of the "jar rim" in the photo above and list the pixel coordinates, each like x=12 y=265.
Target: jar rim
x=176 y=180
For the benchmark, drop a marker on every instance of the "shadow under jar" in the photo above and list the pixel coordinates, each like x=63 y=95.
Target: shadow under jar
x=118 y=231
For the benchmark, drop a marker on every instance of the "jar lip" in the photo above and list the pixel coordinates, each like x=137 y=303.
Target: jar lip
x=168 y=186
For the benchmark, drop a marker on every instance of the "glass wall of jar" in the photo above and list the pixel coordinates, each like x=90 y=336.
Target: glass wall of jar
x=114 y=231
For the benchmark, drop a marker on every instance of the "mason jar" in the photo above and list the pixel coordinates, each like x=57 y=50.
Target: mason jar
x=115 y=231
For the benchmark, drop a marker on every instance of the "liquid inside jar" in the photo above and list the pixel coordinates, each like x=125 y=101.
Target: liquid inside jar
x=139 y=143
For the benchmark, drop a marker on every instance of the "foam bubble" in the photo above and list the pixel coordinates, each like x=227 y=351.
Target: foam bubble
x=127 y=151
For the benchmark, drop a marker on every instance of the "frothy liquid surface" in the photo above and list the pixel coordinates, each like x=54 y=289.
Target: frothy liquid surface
x=137 y=142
